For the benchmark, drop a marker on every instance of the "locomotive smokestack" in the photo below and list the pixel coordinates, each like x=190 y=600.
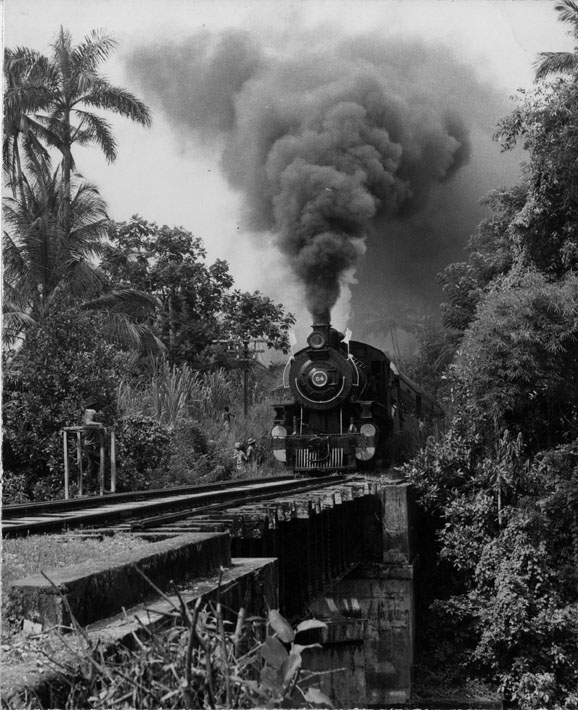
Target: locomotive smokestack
x=321 y=318
x=320 y=336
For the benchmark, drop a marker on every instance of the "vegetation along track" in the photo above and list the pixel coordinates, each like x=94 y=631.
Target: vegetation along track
x=148 y=506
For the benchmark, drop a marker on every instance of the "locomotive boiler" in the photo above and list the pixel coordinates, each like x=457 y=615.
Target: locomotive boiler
x=346 y=406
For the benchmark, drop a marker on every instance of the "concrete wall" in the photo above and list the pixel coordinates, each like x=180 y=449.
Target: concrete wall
x=372 y=655
x=189 y=560
x=97 y=589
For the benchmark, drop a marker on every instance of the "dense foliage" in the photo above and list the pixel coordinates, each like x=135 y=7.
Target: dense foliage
x=55 y=220
x=143 y=452
x=63 y=361
x=518 y=362
x=502 y=571
x=198 y=309
x=498 y=494
x=118 y=312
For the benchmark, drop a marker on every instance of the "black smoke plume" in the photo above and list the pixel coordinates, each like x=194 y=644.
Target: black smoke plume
x=341 y=142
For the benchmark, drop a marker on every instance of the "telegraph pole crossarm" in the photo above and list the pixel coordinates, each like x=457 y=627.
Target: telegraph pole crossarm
x=245 y=356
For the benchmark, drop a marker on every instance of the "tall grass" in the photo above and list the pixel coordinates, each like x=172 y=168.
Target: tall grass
x=179 y=398
x=174 y=393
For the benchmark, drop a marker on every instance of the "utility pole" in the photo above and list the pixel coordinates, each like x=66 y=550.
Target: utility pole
x=244 y=355
x=245 y=365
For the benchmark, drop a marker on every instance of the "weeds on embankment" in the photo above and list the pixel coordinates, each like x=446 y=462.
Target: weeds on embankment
x=204 y=657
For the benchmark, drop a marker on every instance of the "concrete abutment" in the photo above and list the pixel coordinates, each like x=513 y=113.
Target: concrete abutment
x=371 y=614
x=346 y=557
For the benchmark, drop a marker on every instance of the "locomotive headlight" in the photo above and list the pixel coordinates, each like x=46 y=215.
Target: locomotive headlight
x=316 y=340
x=279 y=432
x=318 y=378
x=365 y=451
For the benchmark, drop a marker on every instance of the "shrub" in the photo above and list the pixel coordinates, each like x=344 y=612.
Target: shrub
x=501 y=573
x=143 y=452
x=190 y=457
x=14 y=488
x=63 y=360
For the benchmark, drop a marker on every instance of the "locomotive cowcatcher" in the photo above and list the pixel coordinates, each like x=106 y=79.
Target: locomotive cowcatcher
x=346 y=406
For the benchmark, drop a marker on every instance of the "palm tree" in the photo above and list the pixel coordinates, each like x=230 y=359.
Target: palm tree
x=56 y=223
x=75 y=85
x=43 y=258
x=25 y=93
x=561 y=62
x=61 y=101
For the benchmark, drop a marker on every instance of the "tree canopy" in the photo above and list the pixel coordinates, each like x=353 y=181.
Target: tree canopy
x=518 y=363
x=500 y=488
x=198 y=305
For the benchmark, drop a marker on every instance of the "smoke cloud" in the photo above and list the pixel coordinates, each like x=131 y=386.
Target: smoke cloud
x=336 y=149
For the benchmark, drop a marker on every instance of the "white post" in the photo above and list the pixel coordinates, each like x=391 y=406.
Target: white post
x=101 y=438
x=112 y=462
x=66 y=472
x=79 y=454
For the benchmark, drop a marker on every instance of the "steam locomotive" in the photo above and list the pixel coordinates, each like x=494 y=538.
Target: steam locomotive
x=345 y=406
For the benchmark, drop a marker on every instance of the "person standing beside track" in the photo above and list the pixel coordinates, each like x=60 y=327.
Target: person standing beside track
x=240 y=457
x=251 y=454
x=227 y=416
x=92 y=440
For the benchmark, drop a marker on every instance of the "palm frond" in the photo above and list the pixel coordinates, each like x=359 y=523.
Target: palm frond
x=83 y=278
x=47 y=130
x=124 y=301
x=14 y=322
x=35 y=152
x=568 y=13
x=62 y=54
x=549 y=63
x=124 y=332
x=95 y=49
x=118 y=100
x=42 y=257
x=95 y=129
x=87 y=204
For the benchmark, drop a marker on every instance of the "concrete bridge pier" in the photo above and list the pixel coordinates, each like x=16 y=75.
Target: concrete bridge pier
x=369 y=642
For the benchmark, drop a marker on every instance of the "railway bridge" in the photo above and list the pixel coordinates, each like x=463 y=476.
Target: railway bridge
x=338 y=550
x=347 y=556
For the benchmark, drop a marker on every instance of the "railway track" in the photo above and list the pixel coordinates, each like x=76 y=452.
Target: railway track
x=146 y=509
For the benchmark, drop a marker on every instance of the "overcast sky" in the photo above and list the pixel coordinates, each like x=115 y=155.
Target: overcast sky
x=175 y=172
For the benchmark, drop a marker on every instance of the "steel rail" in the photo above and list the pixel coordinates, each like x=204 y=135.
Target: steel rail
x=110 y=512
x=19 y=510
x=296 y=486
